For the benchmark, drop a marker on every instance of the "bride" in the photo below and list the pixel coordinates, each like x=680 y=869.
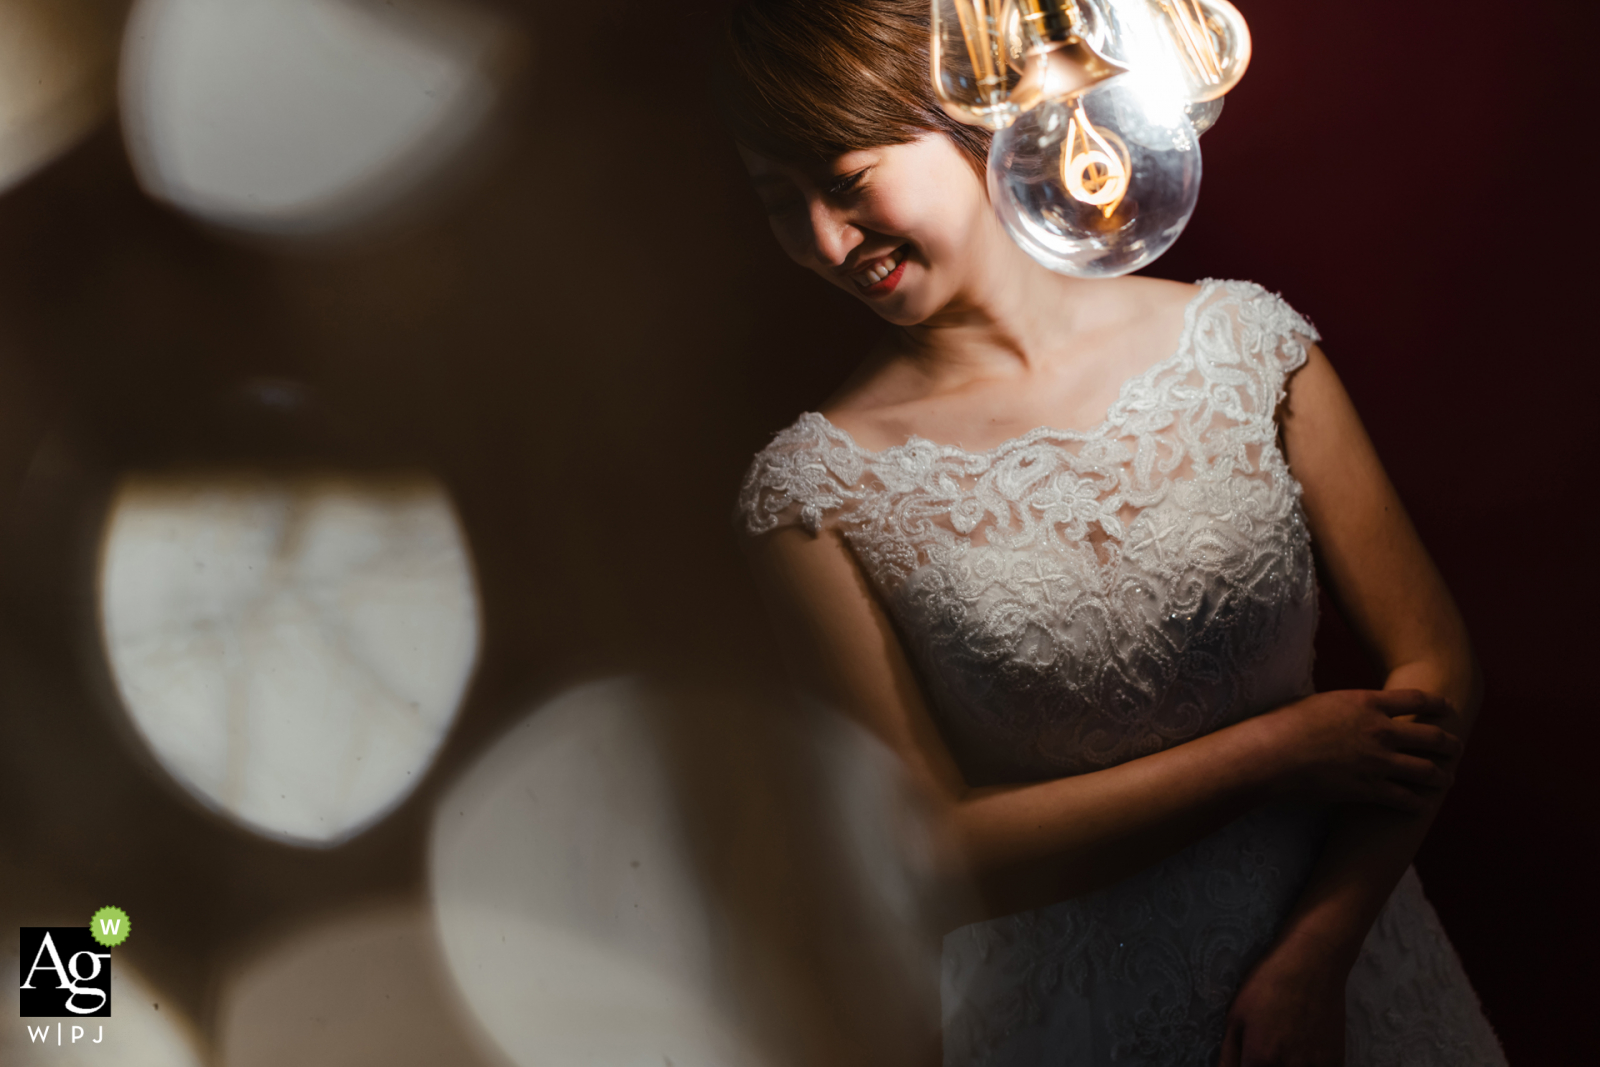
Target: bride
x=1056 y=543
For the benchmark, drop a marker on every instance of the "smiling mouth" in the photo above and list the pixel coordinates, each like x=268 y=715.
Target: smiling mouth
x=874 y=275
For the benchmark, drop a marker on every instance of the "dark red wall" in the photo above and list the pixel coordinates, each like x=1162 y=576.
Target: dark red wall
x=1422 y=192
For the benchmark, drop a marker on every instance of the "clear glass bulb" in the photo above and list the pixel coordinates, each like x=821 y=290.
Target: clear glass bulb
x=977 y=60
x=995 y=59
x=1100 y=183
x=1098 y=106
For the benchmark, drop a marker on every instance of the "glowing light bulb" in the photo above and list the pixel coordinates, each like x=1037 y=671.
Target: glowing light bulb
x=1097 y=106
x=1096 y=185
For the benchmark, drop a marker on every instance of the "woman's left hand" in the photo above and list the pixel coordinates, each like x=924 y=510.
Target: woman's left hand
x=1288 y=1013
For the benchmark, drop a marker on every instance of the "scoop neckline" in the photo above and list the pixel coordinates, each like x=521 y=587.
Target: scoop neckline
x=1185 y=339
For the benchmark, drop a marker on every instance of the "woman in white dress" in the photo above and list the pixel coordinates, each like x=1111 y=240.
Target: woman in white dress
x=1054 y=543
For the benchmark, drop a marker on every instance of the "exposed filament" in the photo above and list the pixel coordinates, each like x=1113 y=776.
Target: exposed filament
x=977 y=30
x=1095 y=171
x=1189 y=18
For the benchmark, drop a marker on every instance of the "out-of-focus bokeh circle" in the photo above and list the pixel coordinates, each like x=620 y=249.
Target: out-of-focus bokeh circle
x=363 y=990
x=302 y=116
x=292 y=648
x=56 y=59
x=143 y=1030
x=566 y=901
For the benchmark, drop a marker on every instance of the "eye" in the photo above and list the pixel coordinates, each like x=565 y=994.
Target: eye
x=846 y=183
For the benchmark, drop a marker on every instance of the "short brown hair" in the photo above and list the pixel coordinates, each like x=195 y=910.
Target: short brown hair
x=807 y=80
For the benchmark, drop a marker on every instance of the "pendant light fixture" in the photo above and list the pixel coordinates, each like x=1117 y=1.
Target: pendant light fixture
x=1097 y=108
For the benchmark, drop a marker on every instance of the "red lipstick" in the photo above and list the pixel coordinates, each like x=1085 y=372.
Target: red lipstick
x=885 y=287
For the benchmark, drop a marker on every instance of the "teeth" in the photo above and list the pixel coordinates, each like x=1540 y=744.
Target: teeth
x=868 y=278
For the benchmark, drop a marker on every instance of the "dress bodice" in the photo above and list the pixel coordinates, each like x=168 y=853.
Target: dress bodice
x=1076 y=598
x=1073 y=599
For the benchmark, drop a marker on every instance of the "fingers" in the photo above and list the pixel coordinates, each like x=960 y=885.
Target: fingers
x=1420 y=737
x=1410 y=702
x=1416 y=771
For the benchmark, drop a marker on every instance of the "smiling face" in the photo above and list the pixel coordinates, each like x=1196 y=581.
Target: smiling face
x=902 y=227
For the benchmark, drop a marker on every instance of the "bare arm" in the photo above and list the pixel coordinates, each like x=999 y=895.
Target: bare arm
x=1381 y=576
x=1389 y=589
x=1036 y=843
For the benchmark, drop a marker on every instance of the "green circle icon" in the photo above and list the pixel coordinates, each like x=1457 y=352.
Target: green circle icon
x=110 y=926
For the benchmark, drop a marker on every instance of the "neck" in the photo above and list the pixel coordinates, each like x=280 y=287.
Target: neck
x=1009 y=316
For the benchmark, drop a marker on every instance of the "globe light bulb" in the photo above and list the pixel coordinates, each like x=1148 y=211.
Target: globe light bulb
x=1098 y=184
x=1097 y=108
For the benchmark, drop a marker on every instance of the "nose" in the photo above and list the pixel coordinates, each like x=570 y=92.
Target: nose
x=833 y=235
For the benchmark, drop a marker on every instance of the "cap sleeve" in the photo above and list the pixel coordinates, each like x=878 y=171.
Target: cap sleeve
x=804 y=475
x=1272 y=338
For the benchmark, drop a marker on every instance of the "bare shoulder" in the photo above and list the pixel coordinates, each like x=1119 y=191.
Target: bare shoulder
x=882 y=384
x=1323 y=438
x=1160 y=292
x=1144 y=297
x=1146 y=314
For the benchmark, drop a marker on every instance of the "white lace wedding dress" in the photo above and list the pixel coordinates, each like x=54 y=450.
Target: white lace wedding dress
x=1074 y=599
